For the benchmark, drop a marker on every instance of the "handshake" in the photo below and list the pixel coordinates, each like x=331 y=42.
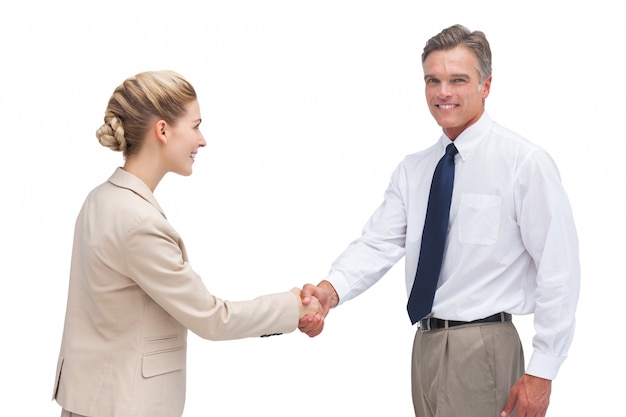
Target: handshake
x=315 y=302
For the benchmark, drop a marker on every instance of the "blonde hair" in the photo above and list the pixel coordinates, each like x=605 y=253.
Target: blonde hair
x=139 y=101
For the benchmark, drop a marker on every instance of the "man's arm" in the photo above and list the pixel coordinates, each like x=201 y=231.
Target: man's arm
x=549 y=235
x=367 y=258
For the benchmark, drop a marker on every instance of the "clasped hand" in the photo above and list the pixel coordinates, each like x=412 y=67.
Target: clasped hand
x=321 y=298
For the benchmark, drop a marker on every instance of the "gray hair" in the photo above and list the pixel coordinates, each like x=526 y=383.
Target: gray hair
x=458 y=35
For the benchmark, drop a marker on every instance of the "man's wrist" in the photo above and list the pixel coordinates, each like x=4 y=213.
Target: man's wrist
x=332 y=293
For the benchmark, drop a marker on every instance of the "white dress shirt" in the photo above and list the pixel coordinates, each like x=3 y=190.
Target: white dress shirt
x=512 y=244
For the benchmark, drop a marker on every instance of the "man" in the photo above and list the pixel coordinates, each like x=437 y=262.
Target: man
x=511 y=248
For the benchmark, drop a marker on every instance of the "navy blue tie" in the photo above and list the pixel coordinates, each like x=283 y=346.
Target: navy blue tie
x=433 y=238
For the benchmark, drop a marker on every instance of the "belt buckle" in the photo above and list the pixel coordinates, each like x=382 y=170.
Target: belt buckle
x=425 y=324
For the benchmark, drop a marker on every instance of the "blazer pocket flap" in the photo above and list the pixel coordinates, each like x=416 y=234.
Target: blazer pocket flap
x=158 y=363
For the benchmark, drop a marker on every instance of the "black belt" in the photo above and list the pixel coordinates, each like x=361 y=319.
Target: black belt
x=431 y=323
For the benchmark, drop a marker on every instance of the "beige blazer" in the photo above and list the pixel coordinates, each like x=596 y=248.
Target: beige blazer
x=132 y=297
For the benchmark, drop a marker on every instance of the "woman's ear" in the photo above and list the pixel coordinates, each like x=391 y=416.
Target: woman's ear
x=161 y=131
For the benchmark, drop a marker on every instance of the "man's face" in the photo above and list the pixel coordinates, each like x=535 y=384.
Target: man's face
x=454 y=94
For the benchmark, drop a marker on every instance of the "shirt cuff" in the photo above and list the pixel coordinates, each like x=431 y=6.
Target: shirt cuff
x=544 y=366
x=341 y=286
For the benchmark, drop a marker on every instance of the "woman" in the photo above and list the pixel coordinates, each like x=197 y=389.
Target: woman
x=132 y=293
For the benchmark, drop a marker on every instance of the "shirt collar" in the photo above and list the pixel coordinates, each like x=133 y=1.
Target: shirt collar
x=467 y=141
x=125 y=179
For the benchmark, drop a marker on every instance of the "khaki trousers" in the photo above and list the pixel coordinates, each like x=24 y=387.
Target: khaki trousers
x=465 y=370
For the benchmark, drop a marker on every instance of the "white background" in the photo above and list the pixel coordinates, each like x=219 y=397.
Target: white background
x=308 y=106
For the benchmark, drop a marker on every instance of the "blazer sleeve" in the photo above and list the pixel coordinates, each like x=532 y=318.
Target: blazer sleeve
x=157 y=262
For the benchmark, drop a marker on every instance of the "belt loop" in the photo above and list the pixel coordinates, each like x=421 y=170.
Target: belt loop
x=446 y=325
x=502 y=317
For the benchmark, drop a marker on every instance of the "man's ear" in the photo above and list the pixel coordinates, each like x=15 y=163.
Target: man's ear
x=485 y=88
x=161 y=131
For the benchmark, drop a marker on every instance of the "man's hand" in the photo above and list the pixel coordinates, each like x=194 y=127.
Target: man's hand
x=532 y=396
x=327 y=296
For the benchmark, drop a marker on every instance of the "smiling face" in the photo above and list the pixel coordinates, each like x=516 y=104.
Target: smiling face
x=183 y=141
x=454 y=93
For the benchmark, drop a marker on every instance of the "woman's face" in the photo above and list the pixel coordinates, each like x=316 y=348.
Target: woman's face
x=183 y=141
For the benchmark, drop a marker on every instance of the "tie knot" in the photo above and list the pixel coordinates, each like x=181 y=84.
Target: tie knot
x=451 y=150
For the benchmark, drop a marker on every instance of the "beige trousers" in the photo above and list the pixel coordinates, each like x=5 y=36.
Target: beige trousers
x=65 y=413
x=466 y=370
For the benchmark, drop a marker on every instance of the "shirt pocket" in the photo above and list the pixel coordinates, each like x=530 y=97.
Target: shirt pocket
x=479 y=219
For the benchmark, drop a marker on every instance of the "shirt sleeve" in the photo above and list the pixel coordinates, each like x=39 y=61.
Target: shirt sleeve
x=549 y=235
x=156 y=262
x=380 y=246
